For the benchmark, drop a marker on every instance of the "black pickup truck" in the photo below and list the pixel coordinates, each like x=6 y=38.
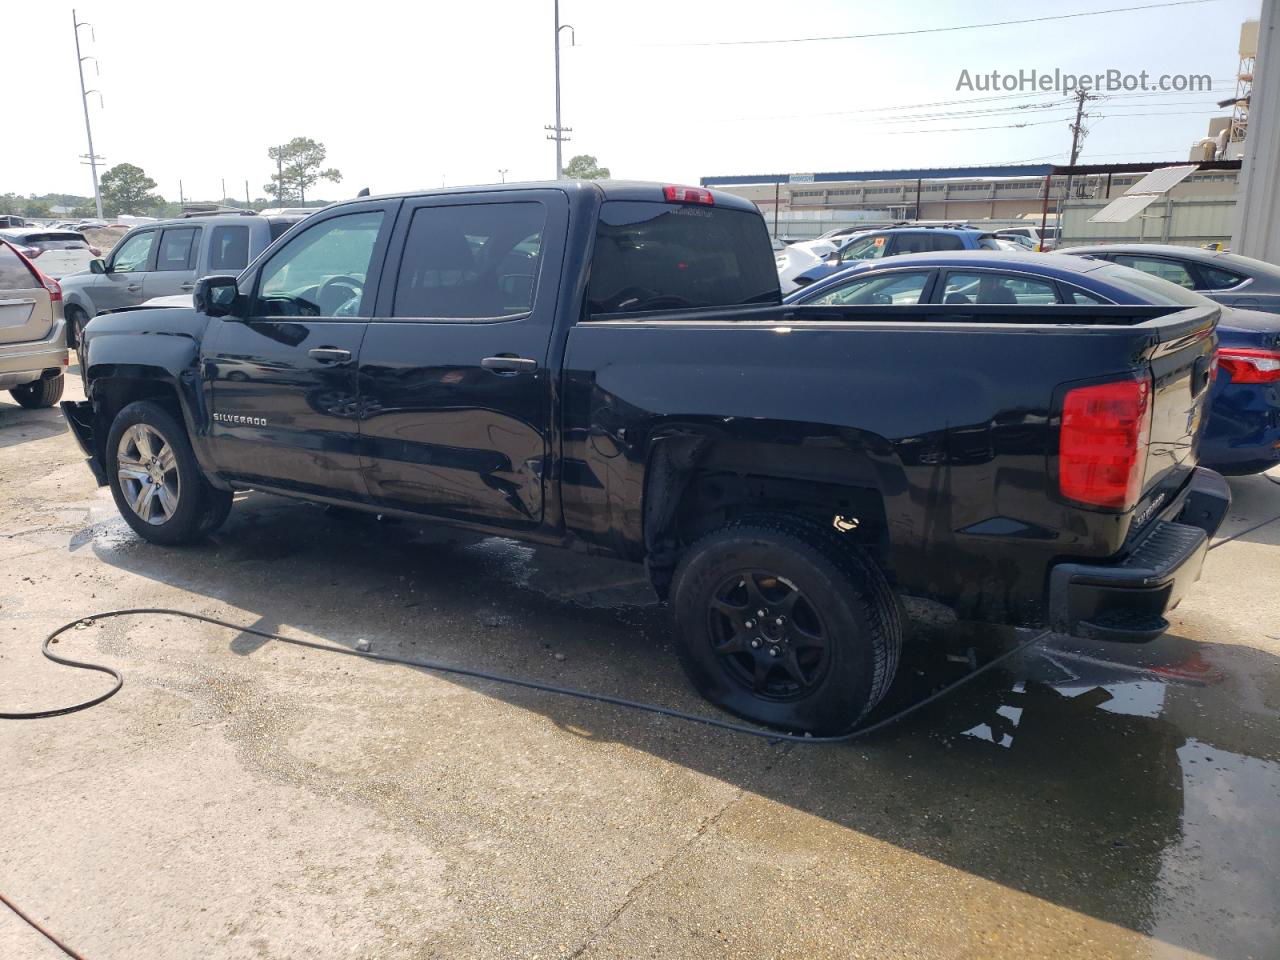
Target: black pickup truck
x=608 y=366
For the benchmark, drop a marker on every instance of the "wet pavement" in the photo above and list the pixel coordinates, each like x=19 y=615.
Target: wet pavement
x=246 y=799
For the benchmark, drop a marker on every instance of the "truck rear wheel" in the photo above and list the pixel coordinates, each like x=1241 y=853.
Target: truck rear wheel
x=779 y=621
x=155 y=480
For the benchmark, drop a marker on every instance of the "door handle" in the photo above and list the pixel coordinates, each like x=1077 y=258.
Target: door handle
x=329 y=354
x=508 y=363
x=189 y=285
x=133 y=287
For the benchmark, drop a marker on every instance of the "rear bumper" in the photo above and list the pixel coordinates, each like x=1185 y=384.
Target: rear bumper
x=81 y=419
x=26 y=362
x=1126 y=601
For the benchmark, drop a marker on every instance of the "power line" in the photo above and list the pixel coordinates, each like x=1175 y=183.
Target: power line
x=924 y=30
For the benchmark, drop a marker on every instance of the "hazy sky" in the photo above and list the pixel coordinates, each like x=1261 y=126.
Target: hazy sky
x=405 y=94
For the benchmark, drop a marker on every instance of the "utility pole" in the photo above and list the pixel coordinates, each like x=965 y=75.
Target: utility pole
x=247 y=202
x=558 y=132
x=1078 y=133
x=280 y=174
x=223 y=198
x=182 y=200
x=84 y=100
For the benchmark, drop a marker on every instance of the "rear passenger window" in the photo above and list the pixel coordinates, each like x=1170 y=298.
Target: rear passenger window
x=229 y=248
x=470 y=261
x=926 y=242
x=1082 y=299
x=14 y=274
x=996 y=288
x=178 y=249
x=1220 y=279
x=1169 y=270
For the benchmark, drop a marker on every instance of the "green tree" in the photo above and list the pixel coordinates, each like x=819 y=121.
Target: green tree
x=35 y=207
x=584 y=167
x=298 y=168
x=127 y=189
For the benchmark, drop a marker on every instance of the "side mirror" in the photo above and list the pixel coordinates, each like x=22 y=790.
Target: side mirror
x=97 y=265
x=216 y=296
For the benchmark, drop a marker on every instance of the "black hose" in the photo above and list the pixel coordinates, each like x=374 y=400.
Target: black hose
x=439 y=667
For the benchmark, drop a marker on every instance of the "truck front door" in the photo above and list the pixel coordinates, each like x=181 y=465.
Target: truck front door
x=454 y=379
x=285 y=407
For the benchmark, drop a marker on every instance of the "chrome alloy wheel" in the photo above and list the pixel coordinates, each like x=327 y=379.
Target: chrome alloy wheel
x=148 y=473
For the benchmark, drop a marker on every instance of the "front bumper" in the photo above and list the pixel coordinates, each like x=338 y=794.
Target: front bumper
x=83 y=424
x=1126 y=601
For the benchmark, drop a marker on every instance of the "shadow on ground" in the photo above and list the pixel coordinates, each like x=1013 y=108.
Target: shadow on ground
x=1133 y=784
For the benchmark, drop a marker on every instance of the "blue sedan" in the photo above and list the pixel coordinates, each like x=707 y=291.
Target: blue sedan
x=1243 y=430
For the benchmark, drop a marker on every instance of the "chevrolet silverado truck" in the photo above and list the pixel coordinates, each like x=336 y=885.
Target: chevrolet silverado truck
x=607 y=366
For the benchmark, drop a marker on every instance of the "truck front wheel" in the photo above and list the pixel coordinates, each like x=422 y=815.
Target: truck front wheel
x=779 y=621
x=155 y=480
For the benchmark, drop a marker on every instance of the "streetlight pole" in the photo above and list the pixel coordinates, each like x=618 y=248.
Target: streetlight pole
x=503 y=173
x=84 y=101
x=558 y=132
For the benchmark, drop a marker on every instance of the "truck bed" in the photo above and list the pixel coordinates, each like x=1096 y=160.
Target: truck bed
x=948 y=415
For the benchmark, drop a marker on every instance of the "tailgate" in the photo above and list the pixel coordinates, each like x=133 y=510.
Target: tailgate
x=1182 y=365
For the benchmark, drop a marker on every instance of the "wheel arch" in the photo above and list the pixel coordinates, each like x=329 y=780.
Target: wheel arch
x=698 y=478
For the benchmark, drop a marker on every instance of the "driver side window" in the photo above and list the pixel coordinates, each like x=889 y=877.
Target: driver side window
x=132 y=255
x=321 y=272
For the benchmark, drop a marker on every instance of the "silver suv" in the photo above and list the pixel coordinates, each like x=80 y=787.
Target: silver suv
x=33 y=343
x=164 y=259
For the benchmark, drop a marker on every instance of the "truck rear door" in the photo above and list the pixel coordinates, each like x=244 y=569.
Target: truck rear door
x=455 y=390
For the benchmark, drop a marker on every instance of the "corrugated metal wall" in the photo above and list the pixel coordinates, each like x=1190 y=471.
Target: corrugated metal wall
x=1190 y=221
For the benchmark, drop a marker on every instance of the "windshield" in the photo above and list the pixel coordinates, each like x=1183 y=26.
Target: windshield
x=663 y=256
x=1149 y=289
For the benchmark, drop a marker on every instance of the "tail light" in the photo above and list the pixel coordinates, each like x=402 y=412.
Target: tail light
x=95 y=251
x=1247 y=365
x=31 y=252
x=1103 y=443
x=688 y=195
x=54 y=288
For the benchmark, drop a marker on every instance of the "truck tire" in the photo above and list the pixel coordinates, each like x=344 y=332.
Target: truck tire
x=41 y=393
x=76 y=321
x=155 y=480
x=826 y=648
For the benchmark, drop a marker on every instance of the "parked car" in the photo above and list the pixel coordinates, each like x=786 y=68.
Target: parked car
x=33 y=346
x=608 y=366
x=879 y=244
x=1225 y=277
x=1041 y=240
x=1018 y=242
x=8 y=221
x=1242 y=432
x=60 y=252
x=164 y=259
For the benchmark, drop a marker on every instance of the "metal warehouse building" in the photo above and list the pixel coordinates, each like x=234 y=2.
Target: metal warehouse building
x=807 y=204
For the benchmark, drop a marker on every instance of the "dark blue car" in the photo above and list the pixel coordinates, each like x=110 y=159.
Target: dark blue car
x=1243 y=431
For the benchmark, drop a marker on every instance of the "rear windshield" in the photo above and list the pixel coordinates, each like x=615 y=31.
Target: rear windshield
x=61 y=240
x=664 y=256
x=1152 y=290
x=280 y=227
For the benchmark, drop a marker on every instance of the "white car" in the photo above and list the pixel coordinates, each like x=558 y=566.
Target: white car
x=801 y=257
x=58 y=253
